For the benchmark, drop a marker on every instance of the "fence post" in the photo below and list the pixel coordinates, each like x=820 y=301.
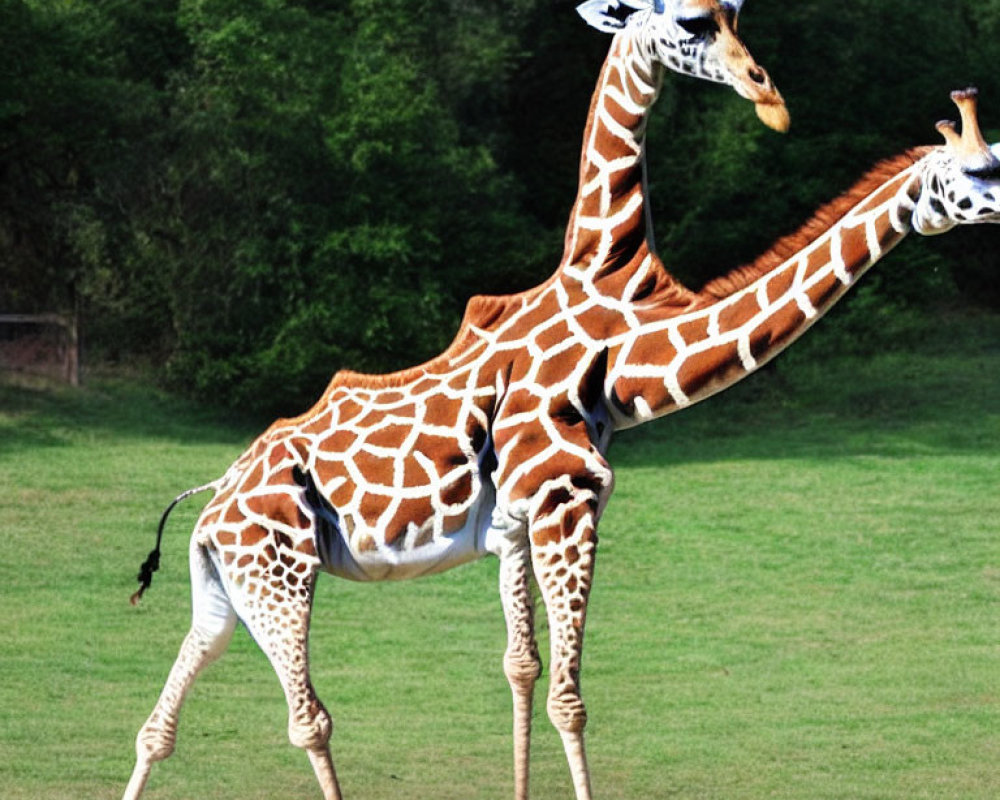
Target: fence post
x=71 y=325
x=73 y=351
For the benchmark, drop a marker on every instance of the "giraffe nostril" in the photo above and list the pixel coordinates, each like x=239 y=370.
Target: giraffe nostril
x=757 y=75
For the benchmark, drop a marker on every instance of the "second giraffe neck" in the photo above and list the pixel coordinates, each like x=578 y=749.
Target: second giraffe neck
x=665 y=360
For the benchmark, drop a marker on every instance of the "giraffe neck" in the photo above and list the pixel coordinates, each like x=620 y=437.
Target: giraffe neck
x=608 y=238
x=664 y=360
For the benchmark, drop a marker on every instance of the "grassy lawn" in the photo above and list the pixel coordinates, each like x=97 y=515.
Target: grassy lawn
x=798 y=596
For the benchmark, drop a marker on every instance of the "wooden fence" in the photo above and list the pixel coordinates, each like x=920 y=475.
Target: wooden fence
x=69 y=356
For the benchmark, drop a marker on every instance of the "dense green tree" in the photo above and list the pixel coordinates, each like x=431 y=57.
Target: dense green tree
x=328 y=205
x=78 y=124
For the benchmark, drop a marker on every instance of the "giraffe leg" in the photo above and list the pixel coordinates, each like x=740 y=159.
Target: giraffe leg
x=277 y=616
x=212 y=625
x=521 y=663
x=563 y=550
x=552 y=476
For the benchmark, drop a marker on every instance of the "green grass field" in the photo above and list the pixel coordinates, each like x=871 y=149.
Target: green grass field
x=797 y=596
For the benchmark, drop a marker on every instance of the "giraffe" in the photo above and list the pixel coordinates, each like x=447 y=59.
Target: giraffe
x=498 y=445
x=391 y=477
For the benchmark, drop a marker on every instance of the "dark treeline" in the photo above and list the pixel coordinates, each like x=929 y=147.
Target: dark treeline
x=255 y=193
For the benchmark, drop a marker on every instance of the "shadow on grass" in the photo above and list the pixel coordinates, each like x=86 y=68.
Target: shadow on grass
x=33 y=416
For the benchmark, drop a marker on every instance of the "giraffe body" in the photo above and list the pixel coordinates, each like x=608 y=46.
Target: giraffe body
x=409 y=474
x=382 y=508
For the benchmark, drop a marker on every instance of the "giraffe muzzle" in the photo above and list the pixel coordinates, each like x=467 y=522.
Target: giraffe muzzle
x=768 y=102
x=752 y=82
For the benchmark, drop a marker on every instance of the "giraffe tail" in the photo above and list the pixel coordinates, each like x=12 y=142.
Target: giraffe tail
x=152 y=562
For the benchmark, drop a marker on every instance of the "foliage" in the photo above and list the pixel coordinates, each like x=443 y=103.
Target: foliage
x=258 y=193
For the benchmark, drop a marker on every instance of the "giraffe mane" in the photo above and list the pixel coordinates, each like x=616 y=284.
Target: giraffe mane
x=825 y=217
x=483 y=312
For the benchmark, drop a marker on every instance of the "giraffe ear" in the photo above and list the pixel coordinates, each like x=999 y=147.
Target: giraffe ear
x=612 y=15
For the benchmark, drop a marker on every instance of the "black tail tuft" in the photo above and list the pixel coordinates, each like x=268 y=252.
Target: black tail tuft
x=145 y=577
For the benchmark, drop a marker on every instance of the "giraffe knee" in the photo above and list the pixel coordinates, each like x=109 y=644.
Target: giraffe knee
x=311 y=727
x=567 y=713
x=156 y=739
x=522 y=668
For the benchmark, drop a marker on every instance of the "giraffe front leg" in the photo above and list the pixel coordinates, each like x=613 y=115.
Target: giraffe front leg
x=521 y=663
x=552 y=476
x=563 y=549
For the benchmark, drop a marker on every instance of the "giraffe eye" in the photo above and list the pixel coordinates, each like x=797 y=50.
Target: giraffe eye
x=988 y=173
x=699 y=27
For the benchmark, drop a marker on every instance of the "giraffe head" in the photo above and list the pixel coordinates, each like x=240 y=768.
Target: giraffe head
x=960 y=182
x=697 y=38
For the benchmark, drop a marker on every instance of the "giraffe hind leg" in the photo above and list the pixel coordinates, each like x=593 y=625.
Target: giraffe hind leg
x=212 y=624
x=277 y=616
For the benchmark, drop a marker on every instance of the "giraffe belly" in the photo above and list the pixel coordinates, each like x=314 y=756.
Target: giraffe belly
x=398 y=562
